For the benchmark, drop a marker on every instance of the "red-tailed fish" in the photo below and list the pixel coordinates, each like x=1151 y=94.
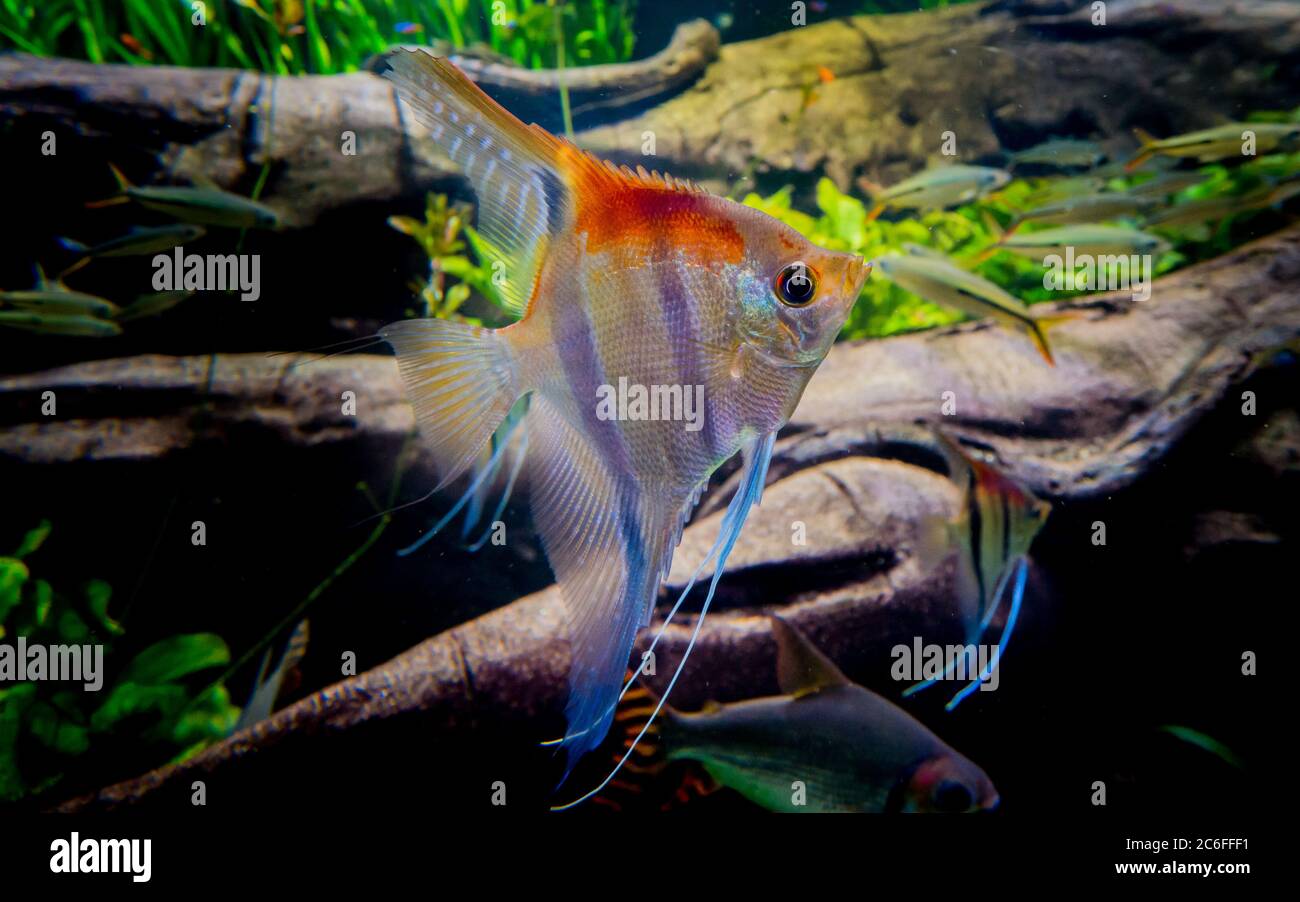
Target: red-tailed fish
x=824 y=745
x=640 y=295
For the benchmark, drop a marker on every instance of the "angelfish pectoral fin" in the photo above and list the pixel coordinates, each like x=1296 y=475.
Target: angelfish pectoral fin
x=757 y=456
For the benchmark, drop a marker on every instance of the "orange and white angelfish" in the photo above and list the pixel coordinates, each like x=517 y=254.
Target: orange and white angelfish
x=662 y=330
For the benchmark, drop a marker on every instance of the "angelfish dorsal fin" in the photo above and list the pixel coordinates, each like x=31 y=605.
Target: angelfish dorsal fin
x=801 y=669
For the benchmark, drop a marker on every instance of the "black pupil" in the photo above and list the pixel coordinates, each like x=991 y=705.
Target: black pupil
x=796 y=284
x=952 y=796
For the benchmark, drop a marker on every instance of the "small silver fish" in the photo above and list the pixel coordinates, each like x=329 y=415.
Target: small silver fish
x=1220 y=142
x=1166 y=184
x=1208 y=209
x=151 y=305
x=59 y=324
x=1065 y=188
x=53 y=297
x=1065 y=153
x=1085 y=239
x=1089 y=208
x=204 y=206
x=138 y=241
x=940 y=281
x=936 y=188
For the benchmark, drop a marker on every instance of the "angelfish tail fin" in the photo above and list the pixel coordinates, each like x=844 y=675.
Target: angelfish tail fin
x=461 y=380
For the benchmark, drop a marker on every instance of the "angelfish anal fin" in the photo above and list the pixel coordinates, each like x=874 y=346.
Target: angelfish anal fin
x=605 y=540
x=801 y=669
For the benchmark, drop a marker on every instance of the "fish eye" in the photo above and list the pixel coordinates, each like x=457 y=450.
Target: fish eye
x=951 y=796
x=795 y=285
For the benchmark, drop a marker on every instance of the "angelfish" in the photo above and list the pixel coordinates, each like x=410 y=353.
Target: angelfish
x=825 y=745
x=992 y=534
x=617 y=274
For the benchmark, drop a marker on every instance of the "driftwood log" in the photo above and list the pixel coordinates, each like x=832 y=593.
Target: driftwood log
x=1132 y=379
x=532 y=94
x=999 y=76
x=224 y=125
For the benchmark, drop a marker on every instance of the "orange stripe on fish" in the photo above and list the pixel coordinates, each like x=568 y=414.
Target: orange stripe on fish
x=631 y=216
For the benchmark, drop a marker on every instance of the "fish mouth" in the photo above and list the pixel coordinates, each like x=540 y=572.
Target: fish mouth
x=855 y=276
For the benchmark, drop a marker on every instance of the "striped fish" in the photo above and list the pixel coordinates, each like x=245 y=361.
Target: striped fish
x=622 y=278
x=998 y=523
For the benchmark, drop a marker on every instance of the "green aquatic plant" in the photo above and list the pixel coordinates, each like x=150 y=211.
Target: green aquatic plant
x=314 y=36
x=47 y=727
x=963 y=233
x=452 y=273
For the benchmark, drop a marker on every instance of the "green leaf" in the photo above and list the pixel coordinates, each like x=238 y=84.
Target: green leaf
x=14 y=702
x=456 y=266
x=847 y=215
x=456 y=295
x=177 y=657
x=56 y=732
x=34 y=610
x=98 y=595
x=13 y=575
x=406 y=225
x=34 y=539
x=129 y=699
x=72 y=628
x=212 y=718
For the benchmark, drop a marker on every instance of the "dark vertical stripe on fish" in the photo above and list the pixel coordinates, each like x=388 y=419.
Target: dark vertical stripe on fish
x=574 y=334
x=976 y=538
x=682 y=330
x=555 y=194
x=1006 y=529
